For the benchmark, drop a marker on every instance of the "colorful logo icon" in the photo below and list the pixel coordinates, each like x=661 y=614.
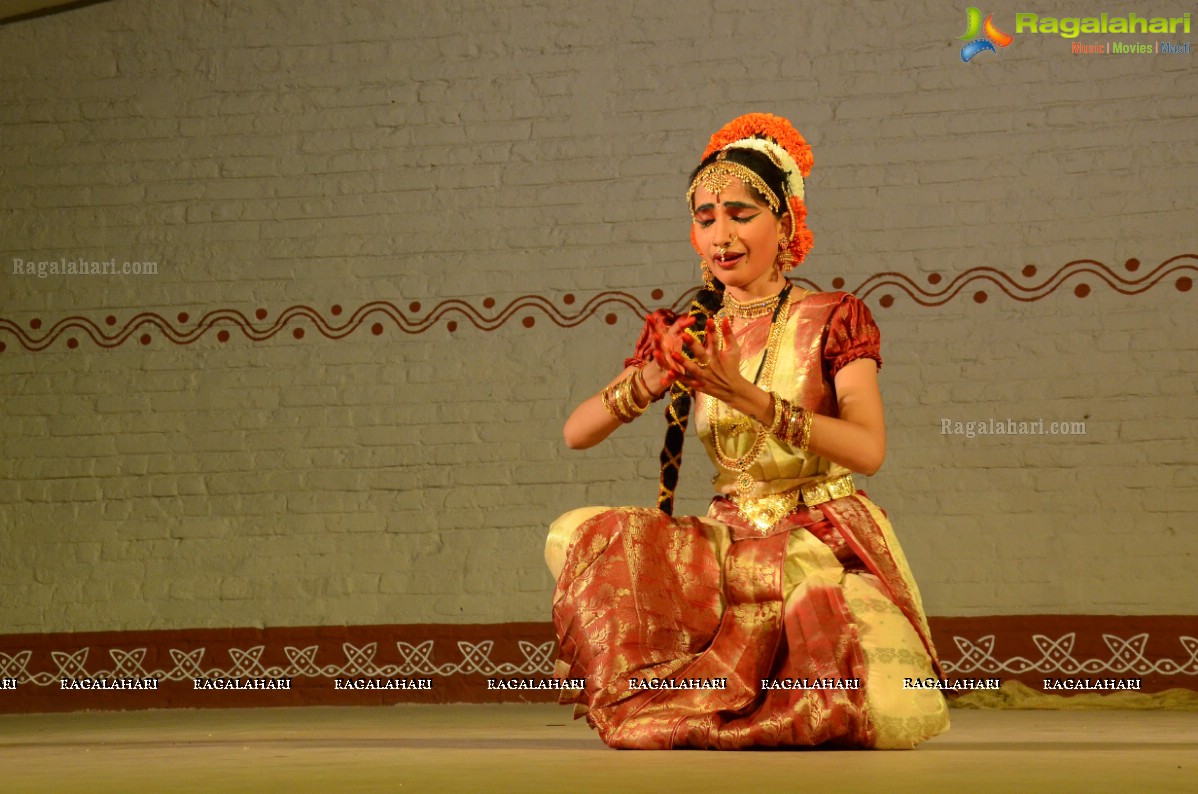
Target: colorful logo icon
x=992 y=35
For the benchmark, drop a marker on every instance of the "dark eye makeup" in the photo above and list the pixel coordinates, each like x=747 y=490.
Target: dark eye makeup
x=703 y=223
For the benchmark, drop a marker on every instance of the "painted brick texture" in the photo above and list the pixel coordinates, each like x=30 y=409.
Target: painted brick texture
x=267 y=155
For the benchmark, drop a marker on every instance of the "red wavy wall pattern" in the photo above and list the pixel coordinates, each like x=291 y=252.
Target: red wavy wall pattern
x=414 y=318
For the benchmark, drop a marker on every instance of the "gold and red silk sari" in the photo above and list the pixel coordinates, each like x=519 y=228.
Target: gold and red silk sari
x=810 y=623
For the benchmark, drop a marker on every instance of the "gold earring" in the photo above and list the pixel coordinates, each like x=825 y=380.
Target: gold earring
x=786 y=260
x=708 y=278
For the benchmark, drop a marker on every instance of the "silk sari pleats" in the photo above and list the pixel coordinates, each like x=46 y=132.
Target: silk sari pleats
x=743 y=618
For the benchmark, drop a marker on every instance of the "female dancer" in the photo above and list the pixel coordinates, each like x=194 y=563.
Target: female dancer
x=788 y=615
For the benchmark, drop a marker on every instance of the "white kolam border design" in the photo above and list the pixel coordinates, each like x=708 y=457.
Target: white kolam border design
x=978 y=656
x=415 y=661
x=1057 y=656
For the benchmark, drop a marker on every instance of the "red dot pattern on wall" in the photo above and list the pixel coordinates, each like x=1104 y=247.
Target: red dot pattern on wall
x=1082 y=277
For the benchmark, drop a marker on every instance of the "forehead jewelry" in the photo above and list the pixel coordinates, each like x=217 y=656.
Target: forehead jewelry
x=716 y=178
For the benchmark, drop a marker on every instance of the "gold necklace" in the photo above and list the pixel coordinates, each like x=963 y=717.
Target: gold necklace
x=742 y=464
x=749 y=310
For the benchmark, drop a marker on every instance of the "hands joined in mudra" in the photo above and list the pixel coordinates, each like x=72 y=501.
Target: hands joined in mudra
x=712 y=367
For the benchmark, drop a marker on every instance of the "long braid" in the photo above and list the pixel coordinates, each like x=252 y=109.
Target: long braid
x=704 y=305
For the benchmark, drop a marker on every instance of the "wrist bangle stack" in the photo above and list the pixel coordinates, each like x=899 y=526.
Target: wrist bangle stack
x=620 y=401
x=639 y=376
x=792 y=424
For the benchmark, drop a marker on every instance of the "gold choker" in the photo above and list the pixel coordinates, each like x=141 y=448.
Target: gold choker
x=750 y=310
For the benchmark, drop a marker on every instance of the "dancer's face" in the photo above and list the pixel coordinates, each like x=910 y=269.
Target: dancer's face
x=739 y=237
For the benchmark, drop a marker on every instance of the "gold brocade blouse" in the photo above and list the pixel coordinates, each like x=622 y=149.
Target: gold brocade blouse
x=824 y=332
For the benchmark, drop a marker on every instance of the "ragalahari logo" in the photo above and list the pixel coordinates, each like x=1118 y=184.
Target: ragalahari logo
x=992 y=35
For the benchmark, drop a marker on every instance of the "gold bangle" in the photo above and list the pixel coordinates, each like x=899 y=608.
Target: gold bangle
x=792 y=424
x=606 y=395
x=620 y=402
x=627 y=406
x=779 y=414
x=808 y=416
x=617 y=399
x=638 y=376
x=633 y=406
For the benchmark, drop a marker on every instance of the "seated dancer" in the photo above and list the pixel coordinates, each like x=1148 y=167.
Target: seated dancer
x=787 y=616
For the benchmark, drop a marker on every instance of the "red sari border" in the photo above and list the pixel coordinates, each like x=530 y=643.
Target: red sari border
x=507 y=662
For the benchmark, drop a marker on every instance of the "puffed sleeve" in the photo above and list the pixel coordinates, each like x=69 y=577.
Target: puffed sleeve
x=851 y=334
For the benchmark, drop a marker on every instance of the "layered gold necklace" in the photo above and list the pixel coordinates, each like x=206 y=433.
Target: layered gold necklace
x=749 y=310
x=737 y=423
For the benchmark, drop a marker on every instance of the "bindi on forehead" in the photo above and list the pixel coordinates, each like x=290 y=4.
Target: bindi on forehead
x=735 y=196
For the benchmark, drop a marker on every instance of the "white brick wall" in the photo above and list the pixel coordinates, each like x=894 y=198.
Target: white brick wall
x=272 y=154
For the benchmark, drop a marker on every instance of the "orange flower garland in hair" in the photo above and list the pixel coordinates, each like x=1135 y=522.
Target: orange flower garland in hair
x=780 y=131
x=764 y=125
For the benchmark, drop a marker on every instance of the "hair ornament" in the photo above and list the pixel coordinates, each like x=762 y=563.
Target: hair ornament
x=776 y=138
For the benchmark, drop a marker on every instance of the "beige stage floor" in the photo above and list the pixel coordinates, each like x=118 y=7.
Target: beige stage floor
x=537 y=748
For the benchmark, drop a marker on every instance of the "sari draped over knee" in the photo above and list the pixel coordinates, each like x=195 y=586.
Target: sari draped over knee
x=770 y=631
